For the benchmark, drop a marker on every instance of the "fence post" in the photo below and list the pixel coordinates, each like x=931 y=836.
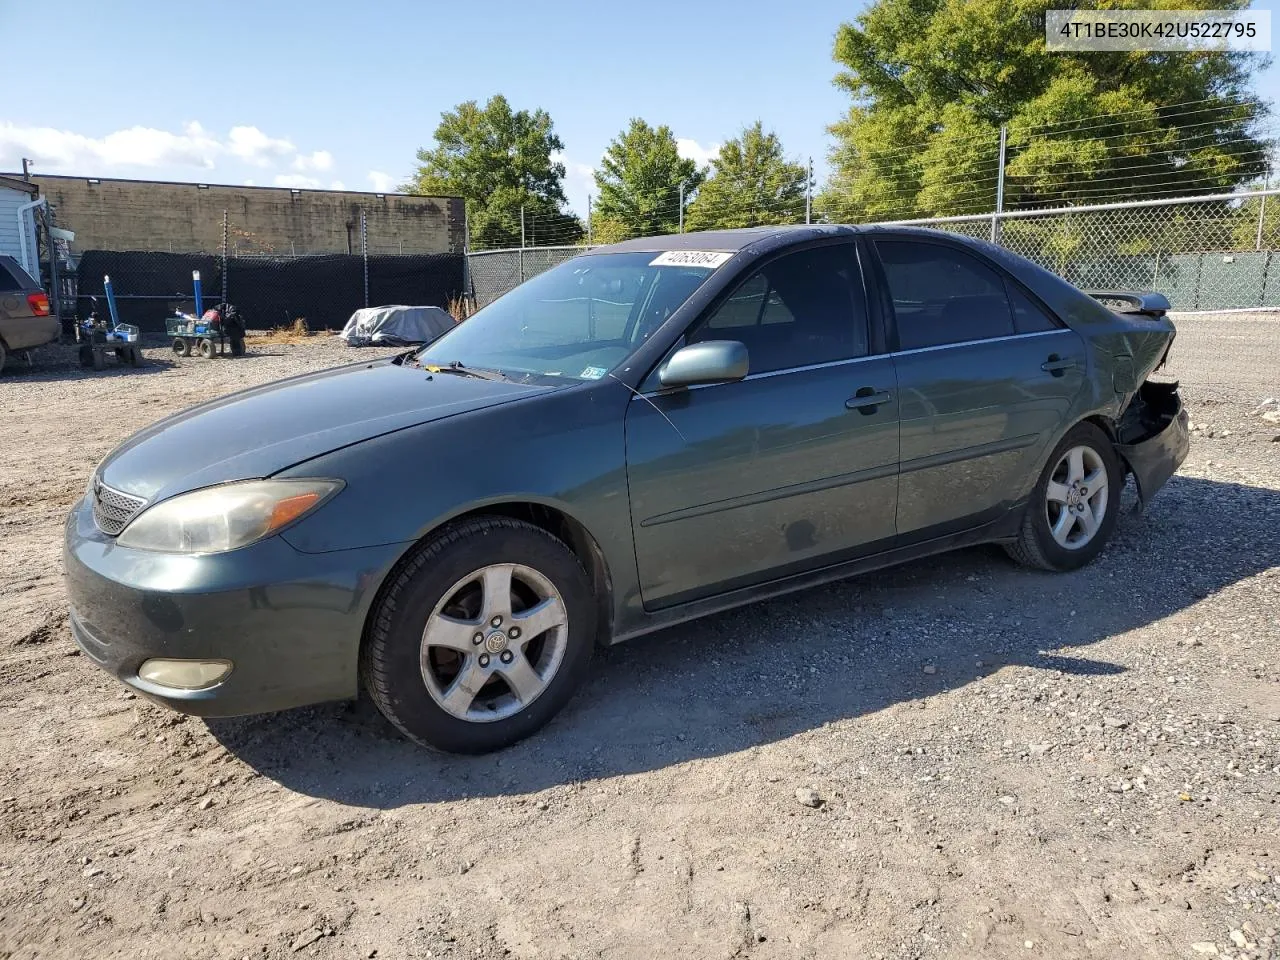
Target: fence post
x=522 y=244
x=224 y=256
x=808 y=194
x=681 y=206
x=588 y=219
x=995 y=217
x=1262 y=210
x=364 y=254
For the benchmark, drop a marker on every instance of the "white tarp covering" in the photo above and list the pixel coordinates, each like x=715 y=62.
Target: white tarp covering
x=395 y=326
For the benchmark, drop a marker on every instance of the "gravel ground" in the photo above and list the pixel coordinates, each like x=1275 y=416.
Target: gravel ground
x=950 y=759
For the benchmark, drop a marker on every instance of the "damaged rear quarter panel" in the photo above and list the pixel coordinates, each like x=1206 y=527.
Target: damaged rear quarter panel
x=1153 y=437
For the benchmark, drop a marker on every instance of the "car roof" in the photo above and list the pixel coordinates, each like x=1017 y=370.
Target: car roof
x=728 y=241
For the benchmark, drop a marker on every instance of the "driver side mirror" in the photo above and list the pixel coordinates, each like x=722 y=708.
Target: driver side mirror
x=713 y=361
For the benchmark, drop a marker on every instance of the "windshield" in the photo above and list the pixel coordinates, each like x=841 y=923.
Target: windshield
x=577 y=321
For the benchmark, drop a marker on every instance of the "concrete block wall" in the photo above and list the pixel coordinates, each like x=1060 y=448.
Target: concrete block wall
x=109 y=214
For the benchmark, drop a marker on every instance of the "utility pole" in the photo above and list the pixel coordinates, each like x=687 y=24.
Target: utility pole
x=1262 y=210
x=224 y=258
x=26 y=169
x=588 y=219
x=522 y=243
x=682 y=206
x=364 y=254
x=995 y=217
x=808 y=193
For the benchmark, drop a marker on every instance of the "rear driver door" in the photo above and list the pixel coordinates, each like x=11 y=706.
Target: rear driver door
x=987 y=376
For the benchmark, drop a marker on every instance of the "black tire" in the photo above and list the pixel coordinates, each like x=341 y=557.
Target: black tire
x=86 y=355
x=1035 y=545
x=4 y=354
x=206 y=349
x=181 y=347
x=390 y=664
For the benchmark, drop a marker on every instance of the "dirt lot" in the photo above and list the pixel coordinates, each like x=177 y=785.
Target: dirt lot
x=956 y=758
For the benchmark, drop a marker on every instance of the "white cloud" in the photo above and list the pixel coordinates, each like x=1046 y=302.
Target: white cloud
x=337 y=185
x=297 y=180
x=63 y=151
x=382 y=182
x=55 y=151
x=253 y=146
x=251 y=183
x=579 y=181
x=320 y=160
x=692 y=150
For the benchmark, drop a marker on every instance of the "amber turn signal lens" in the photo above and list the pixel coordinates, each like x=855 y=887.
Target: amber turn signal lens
x=289 y=509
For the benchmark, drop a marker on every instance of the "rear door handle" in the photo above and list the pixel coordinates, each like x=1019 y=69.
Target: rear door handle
x=867 y=399
x=1057 y=365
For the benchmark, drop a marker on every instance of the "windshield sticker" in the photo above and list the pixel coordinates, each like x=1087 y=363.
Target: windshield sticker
x=592 y=373
x=690 y=258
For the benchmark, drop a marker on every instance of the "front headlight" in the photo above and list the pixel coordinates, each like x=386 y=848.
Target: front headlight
x=218 y=519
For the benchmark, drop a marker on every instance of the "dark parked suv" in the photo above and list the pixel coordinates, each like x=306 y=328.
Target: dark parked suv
x=25 y=318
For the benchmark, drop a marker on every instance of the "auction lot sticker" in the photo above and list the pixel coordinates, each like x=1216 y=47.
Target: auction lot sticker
x=1173 y=30
x=690 y=258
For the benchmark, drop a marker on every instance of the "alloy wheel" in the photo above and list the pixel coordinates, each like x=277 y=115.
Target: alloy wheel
x=1076 y=497
x=494 y=642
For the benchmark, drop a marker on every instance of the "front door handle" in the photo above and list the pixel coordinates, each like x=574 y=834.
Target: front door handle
x=867 y=399
x=1057 y=365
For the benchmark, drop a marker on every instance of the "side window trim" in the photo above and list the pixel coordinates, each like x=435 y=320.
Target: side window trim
x=850 y=244
x=893 y=342
x=1011 y=283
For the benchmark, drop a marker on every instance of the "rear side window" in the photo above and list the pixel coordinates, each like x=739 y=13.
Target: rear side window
x=803 y=308
x=943 y=295
x=13 y=277
x=1029 y=316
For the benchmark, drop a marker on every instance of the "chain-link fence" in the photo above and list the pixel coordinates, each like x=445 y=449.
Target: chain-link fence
x=493 y=272
x=321 y=291
x=279 y=255
x=1207 y=254
x=1204 y=253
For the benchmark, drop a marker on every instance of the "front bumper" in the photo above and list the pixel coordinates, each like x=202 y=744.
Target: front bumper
x=290 y=622
x=1156 y=457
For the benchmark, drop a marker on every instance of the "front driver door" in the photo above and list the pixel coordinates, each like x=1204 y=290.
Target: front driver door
x=793 y=467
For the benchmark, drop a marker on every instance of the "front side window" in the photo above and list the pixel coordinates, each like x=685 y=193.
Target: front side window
x=942 y=295
x=801 y=309
x=577 y=321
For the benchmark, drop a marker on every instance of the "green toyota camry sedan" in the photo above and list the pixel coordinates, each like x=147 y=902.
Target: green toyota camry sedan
x=648 y=433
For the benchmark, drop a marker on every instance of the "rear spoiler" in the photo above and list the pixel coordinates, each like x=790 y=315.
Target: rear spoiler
x=1147 y=304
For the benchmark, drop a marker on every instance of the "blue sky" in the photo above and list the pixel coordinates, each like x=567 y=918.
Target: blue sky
x=332 y=93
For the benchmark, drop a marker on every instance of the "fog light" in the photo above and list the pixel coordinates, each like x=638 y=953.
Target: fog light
x=185 y=674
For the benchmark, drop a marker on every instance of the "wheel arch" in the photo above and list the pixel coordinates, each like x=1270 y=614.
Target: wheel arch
x=559 y=523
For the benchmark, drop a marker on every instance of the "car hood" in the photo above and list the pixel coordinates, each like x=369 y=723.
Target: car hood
x=261 y=431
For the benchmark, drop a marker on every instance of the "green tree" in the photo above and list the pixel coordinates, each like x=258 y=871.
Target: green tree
x=752 y=183
x=932 y=82
x=501 y=161
x=639 y=182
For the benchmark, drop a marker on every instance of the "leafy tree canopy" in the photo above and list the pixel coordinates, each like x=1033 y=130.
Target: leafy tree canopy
x=752 y=183
x=932 y=82
x=500 y=161
x=639 y=182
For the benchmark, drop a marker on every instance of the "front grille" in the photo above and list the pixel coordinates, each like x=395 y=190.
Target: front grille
x=113 y=509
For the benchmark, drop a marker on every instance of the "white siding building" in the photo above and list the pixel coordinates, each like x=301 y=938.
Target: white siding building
x=18 y=223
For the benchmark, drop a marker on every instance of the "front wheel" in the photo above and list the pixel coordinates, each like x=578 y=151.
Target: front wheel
x=1074 y=506
x=482 y=637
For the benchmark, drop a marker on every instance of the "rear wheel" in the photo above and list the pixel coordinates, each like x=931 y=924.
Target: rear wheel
x=3 y=356
x=206 y=348
x=1074 y=506
x=181 y=347
x=482 y=637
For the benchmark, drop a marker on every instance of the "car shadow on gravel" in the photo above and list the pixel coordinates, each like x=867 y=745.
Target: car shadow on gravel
x=769 y=671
